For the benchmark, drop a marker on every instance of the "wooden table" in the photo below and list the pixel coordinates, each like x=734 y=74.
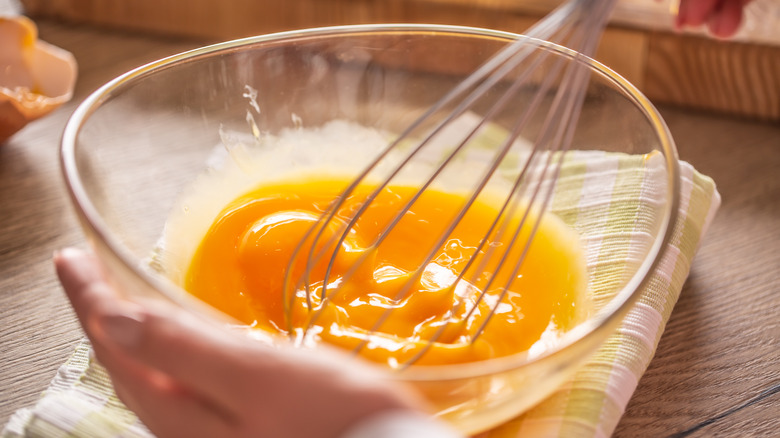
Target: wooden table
x=715 y=368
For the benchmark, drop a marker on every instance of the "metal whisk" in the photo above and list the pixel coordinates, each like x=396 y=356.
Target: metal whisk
x=555 y=110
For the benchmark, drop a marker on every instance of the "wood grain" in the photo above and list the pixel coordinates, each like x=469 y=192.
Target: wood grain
x=742 y=79
x=720 y=347
x=37 y=327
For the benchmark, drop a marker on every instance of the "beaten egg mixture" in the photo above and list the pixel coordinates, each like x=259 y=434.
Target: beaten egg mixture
x=241 y=263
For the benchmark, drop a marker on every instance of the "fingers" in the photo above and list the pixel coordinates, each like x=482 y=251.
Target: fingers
x=695 y=12
x=187 y=377
x=90 y=296
x=722 y=17
x=82 y=279
x=164 y=339
x=167 y=410
x=158 y=400
x=725 y=22
x=203 y=358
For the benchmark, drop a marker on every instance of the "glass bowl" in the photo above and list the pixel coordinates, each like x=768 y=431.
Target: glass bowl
x=135 y=146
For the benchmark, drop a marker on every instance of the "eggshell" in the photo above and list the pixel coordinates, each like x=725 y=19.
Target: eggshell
x=35 y=77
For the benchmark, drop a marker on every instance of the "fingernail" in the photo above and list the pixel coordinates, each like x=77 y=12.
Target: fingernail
x=66 y=253
x=123 y=330
x=61 y=253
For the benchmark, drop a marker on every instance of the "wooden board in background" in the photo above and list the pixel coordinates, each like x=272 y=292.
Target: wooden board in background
x=738 y=78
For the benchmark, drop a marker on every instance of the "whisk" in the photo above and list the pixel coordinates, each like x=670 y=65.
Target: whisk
x=578 y=25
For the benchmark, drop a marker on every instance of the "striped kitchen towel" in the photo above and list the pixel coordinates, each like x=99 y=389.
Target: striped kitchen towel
x=80 y=401
x=592 y=402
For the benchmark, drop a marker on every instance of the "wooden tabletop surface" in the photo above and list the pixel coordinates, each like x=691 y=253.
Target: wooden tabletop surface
x=716 y=371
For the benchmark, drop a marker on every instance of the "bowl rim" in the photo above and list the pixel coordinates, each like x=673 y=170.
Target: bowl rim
x=612 y=313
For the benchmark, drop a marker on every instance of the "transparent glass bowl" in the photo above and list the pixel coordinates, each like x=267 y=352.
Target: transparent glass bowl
x=135 y=145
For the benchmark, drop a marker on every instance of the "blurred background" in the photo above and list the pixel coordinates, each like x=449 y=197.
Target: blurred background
x=690 y=69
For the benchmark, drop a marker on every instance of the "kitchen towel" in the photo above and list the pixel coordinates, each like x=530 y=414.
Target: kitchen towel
x=80 y=401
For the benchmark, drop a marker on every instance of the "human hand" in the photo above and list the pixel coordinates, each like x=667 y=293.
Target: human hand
x=722 y=17
x=186 y=377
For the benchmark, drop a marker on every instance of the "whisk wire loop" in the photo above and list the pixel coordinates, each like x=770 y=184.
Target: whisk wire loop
x=578 y=21
x=506 y=61
x=571 y=97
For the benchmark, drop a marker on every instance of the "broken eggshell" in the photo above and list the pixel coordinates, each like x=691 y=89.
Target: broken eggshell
x=35 y=77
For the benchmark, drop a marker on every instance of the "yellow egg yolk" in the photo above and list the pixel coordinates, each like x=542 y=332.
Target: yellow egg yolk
x=382 y=299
